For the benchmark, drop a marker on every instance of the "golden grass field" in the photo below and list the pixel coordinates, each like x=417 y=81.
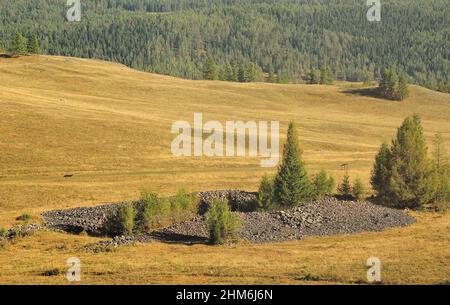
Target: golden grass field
x=110 y=126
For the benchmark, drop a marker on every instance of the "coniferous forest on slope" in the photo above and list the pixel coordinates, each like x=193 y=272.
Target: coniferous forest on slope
x=287 y=38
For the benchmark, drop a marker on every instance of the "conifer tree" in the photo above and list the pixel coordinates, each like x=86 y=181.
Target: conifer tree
x=210 y=69
x=314 y=77
x=19 y=45
x=266 y=193
x=322 y=185
x=413 y=180
x=381 y=173
x=326 y=76
x=442 y=170
x=392 y=90
x=250 y=73
x=345 y=188
x=358 y=190
x=385 y=75
x=292 y=185
x=241 y=74
x=271 y=77
x=403 y=91
x=33 y=45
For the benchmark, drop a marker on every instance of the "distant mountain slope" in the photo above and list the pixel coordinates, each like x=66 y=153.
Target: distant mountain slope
x=110 y=126
x=287 y=36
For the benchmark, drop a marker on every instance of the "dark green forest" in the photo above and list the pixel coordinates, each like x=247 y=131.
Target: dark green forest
x=283 y=38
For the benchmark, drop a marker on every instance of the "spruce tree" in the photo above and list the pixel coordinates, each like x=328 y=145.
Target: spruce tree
x=229 y=72
x=33 y=45
x=392 y=90
x=241 y=74
x=326 y=76
x=314 y=77
x=358 y=190
x=322 y=185
x=292 y=185
x=345 y=188
x=442 y=170
x=250 y=73
x=266 y=193
x=271 y=77
x=210 y=69
x=381 y=173
x=384 y=83
x=403 y=91
x=19 y=45
x=413 y=180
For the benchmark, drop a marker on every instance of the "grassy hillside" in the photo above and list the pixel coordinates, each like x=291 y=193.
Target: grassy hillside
x=110 y=126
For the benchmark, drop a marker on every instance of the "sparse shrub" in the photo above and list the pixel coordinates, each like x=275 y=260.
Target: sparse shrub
x=123 y=222
x=153 y=211
x=266 y=194
x=2 y=232
x=322 y=185
x=24 y=217
x=345 y=189
x=125 y=218
x=358 y=190
x=221 y=223
x=182 y=205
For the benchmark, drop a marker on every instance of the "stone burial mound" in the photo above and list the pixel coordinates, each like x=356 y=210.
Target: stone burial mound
x=329 y=216
x=239 y=200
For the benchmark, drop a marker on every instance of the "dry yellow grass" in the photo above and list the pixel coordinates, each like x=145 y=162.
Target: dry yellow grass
x=110 y=126
x=415 y=255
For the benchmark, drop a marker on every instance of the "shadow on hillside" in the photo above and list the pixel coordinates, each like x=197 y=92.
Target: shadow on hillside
x=8 y=56
x=369 y=92
x=167 y=237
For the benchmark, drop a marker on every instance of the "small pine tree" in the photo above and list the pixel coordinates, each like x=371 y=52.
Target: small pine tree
x=384 y=83
x=403 y=91
x=292 y=185
x=221 y=223
x=326 y=76
x=250 y=73
x=381 y=173
x=392 y=91
x=33 y=45
x=241 y=74
x=210 y=69
x=229 y=72
x=322 y=185
x=413 y=180
x=266 y=194
x=345 y=189
x=271 y=77
x=19 y=45
x=442 y=170
x=358 y=190
x=313 y=77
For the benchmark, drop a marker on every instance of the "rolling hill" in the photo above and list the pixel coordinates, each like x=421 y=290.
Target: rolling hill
x=109 y=126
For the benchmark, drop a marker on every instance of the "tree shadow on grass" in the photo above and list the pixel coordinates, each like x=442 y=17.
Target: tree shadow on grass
x=168 y=237
x=369 y=92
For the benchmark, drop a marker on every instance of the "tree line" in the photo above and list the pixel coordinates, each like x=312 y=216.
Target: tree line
x=285 y=40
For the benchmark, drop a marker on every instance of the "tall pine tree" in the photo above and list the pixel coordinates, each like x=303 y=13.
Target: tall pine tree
x=292 y=185
x=33 y=45
x=413 y=180
x=381 y=173
x=19 y=45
